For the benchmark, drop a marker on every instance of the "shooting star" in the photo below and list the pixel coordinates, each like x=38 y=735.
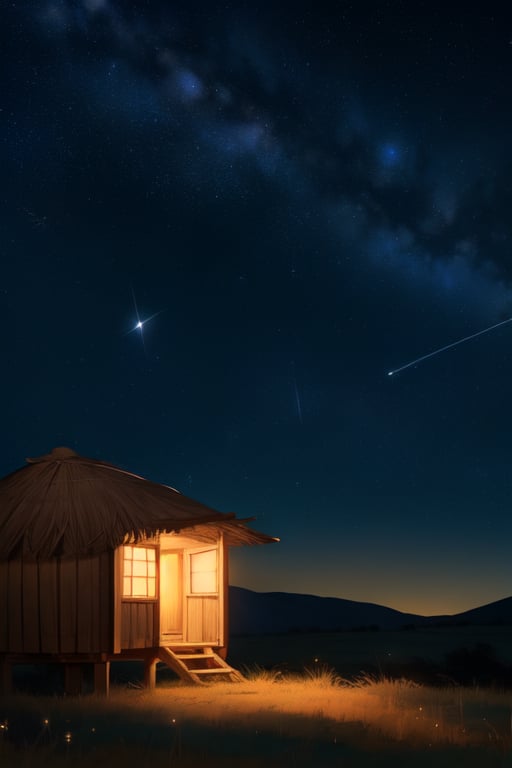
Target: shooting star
x=448 y=346
x=297 y=395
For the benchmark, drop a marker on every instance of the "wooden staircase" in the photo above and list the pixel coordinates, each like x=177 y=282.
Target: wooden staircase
x=196 y=665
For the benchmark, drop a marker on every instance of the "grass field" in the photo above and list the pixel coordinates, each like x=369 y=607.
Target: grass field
x=276 y=718
x=313 y=720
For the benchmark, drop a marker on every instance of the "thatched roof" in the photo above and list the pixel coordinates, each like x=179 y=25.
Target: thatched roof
x=65 y=504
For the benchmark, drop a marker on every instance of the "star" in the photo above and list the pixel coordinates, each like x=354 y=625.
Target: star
x=139 y=325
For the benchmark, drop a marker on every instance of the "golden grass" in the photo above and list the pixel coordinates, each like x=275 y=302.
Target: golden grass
x=267 y=720
x=397 y=709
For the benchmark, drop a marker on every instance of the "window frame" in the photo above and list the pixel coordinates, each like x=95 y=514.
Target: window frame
x=197 y=551
x=141 y=598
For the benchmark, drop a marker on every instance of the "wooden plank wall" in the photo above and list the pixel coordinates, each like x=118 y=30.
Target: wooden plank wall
x=106 y=601
x=67 y=586
x=202 y=619
x=30 y=612
x=56 y=606
x=137 y=624
x=48 y=596
x=14 y=606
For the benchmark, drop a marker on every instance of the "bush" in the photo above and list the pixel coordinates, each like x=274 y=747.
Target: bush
x=477 y=665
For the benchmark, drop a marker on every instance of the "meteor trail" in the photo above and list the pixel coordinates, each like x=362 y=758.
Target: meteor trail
x=448 y=346
x=297 y=400
x=297 y=395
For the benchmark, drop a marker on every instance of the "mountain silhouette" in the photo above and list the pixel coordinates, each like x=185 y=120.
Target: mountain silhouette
x=256 y=613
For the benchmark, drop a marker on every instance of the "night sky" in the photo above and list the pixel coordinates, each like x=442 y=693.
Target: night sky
x=301 y=197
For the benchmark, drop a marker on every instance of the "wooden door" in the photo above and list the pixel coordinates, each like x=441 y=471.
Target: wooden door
x=203 y=590
x=171 y=597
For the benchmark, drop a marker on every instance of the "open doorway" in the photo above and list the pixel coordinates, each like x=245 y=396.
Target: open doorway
x=171 y=597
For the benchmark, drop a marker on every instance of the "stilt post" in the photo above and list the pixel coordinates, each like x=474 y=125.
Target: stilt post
x=150 y=672
x=102 y=678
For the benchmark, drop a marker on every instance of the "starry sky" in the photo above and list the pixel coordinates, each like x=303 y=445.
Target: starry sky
x=298 y=197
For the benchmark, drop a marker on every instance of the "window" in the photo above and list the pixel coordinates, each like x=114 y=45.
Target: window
x=139 y=572
x=203 y=572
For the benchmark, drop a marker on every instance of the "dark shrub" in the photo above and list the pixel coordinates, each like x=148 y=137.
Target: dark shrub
x=478 y=665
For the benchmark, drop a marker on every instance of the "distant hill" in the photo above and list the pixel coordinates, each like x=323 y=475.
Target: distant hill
x=256 y=613
x=498 y=613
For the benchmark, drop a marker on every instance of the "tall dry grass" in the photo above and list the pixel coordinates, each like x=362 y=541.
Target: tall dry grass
x=313 y=719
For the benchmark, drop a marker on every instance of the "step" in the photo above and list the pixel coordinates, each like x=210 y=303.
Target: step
x=213 y=671
x=178 y=662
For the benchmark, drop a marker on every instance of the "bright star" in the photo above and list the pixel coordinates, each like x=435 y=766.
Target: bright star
x=139 y=325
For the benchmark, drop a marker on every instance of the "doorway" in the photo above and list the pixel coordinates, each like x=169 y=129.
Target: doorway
x=171 y=597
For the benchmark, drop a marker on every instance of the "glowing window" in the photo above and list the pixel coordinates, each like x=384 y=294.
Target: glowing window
x=203 y=571
x=139 y=572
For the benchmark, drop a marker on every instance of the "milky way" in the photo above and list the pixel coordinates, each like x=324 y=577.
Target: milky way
x=316 y=182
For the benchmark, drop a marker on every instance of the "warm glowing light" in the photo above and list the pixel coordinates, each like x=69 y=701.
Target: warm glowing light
x=68 y=737
x=139 y=572
x=203 y=572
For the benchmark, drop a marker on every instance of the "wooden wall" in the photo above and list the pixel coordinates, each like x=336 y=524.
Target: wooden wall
x=138 y=624
x=56 y=606
x=202 y=619
x=135 y=622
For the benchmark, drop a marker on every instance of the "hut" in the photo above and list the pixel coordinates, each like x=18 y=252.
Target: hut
x=98 y=564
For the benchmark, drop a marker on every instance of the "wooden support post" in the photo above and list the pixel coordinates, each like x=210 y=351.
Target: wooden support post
x=5 y=676
x=102 y=678
x=73 y=679
x=150 y=672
